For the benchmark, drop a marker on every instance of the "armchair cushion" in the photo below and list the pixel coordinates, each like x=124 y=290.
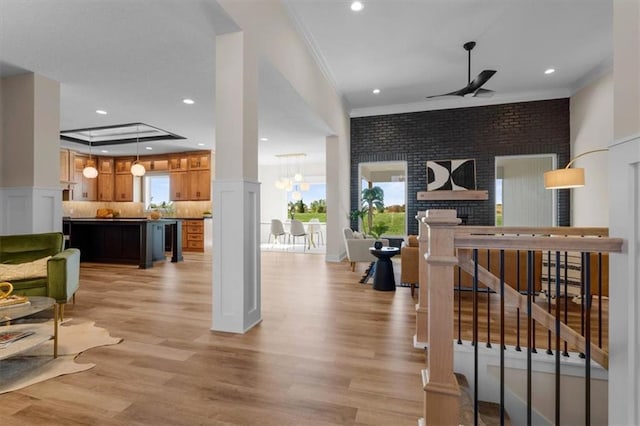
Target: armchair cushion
x=358 y=248
x=22 y=271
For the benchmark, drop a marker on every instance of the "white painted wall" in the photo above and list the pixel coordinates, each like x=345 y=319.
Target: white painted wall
x=592 y=128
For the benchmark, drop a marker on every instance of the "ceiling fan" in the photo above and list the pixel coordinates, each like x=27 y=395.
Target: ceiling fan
x=473 y=87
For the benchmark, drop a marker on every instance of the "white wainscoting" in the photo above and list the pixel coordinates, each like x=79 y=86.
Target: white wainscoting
x=27 y=210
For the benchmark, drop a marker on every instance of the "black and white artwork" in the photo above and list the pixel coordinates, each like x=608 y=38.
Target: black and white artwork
x=451 y=175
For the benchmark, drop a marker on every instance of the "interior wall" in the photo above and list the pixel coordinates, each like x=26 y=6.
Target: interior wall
x=481 y=133
x=592 y=128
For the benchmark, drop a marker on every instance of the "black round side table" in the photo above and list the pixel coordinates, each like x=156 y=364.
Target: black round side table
x=383 y=278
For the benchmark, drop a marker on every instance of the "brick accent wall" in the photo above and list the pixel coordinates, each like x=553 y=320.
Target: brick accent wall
x=540 y=127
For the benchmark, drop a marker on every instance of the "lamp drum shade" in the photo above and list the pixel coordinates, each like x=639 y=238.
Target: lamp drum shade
x=564 y=178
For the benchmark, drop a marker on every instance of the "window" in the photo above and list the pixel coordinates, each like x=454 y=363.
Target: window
x=156 y=189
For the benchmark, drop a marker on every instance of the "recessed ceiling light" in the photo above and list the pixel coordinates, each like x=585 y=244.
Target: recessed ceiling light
x=376 y=91
x=549 y=71
x=104 y=151
x=188 y=101
x=357 y=6
x=148 y=148
x=101 y=112
x=264 y=139
x=200 y=144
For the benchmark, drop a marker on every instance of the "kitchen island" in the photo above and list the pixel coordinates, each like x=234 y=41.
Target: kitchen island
x=124 y=240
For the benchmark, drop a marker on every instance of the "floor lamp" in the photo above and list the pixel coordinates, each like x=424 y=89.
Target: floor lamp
x=567 y=177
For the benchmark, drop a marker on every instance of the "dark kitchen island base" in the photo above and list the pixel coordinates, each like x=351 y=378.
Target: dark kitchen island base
x=128 y=241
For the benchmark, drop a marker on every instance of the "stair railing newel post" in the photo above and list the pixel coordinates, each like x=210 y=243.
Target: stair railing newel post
x=441 y=402
x=421 y=338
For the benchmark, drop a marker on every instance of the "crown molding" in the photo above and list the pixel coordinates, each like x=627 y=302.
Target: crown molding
x=315 y=52
x=594 y=74
x=451 y=103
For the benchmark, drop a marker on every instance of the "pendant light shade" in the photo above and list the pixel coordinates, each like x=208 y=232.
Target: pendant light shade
x=90 y=172
x=137 y=169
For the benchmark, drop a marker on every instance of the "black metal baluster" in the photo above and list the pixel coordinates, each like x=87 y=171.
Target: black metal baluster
x=587 y=343
x=532 y=290
x=549 y=351
x=518 y=348
x=566 y=299
x=600 y=300
x=502 y=343
x=582 y=283
x=558 y=394
x=475 y=337
x=529 y=335
x=488 y=302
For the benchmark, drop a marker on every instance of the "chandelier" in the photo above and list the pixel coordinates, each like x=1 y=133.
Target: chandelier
x=290 y=177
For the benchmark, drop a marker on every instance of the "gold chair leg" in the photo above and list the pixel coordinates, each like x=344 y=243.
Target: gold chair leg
x=353 y=266
x=61 y=311
x=55 y=330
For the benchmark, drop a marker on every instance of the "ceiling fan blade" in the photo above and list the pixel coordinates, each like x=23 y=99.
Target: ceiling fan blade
x=480 y=80
x=456 y=93
x=483 y=93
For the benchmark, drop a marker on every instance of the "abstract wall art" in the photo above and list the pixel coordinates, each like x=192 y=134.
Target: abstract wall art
x=451 y=175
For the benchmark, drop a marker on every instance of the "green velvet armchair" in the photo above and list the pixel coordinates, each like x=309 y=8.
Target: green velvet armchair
x=61 y=278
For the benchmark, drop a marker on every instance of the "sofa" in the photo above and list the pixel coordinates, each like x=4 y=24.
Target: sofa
x=358 y=245
x=409 y=262
x=38 y=265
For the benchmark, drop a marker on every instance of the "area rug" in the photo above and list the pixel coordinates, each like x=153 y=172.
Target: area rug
x=38 y=364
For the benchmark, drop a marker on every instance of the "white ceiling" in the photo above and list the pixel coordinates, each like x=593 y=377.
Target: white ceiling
x=137 y=59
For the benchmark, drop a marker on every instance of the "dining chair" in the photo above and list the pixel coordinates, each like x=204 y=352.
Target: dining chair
x=277 y=230
x=297 y=230
x=314 y=228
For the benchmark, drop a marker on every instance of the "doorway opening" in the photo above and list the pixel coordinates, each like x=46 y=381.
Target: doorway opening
x=391 y=178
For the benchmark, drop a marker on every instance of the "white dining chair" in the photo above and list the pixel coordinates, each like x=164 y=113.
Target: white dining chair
x=315 y=228
x=297 y=230
x=277 y=230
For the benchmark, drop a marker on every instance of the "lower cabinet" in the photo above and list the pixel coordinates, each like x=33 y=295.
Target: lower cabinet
x=193 y=235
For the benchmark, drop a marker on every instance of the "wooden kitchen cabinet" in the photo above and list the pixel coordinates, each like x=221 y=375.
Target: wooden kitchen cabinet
x=123 y=190
x=65 y=166
x=200 y=161
x=193 y=234
x=123 y=165
x=85 y=189
x=179 y=186
x=199 y=185
x=178 y=163
x=105 y=178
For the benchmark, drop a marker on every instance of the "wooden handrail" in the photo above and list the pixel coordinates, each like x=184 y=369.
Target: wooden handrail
x=522 y=242
x=528 y=230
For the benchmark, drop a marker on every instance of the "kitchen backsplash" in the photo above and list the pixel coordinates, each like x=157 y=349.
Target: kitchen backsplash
x=89 y=208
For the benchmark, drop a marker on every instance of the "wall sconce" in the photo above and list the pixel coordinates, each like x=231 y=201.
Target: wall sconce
x=567 y=177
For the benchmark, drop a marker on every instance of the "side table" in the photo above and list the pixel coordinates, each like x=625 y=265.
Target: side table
x=383 y=278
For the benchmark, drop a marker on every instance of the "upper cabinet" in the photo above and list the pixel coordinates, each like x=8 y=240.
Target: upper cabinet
x=190 y=175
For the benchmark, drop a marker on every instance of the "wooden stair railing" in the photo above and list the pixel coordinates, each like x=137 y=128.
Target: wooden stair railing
x=515 y=299
x=440 y=237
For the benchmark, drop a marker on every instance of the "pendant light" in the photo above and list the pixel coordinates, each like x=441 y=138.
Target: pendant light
x=89 y=171
x=137 y=169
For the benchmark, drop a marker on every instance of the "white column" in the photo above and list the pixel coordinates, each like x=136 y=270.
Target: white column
x=236 y=192
x=30 y=193
x=624 y=219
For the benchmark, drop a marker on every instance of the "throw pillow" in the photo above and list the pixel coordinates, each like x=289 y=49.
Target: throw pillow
x=358 y=235
x=23 y=271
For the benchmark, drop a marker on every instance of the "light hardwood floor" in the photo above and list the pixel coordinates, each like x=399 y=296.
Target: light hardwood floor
x=328 y=351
